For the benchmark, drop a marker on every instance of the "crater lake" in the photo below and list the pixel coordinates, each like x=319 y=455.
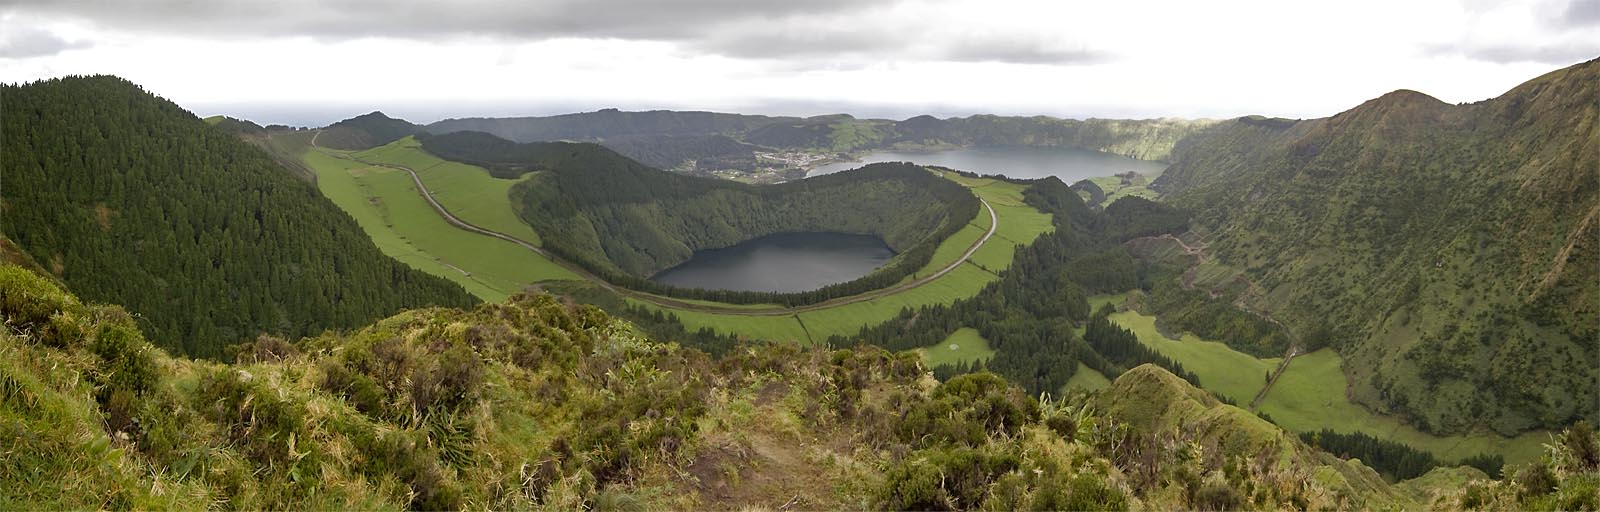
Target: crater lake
x=786 y=262
x=1069 y=164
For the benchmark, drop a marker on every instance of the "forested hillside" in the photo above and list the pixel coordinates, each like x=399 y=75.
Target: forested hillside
x=625 y=221
x=366 y=131
x=1447 y=251
x=541 y=403
x=130 y=199
x=1029 y=315
x=670 y=151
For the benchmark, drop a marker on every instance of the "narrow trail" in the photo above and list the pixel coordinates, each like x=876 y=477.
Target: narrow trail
x=994 y=224
x=1283 y=366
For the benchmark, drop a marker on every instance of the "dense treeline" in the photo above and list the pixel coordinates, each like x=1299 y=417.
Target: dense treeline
x=1121 y=350
x=1096 y=194
x=1132 y=217
x=130 y=199
x=624 y=221
x=671 y=151
x=1029 y=315
x=1393 y=459
x=1196 y=312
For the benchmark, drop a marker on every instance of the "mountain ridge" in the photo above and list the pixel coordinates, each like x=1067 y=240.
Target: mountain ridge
x=1472 y=214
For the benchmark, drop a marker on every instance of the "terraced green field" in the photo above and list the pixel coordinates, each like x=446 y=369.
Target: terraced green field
x=386 y=204
x=1311 y=393
x=964 y=345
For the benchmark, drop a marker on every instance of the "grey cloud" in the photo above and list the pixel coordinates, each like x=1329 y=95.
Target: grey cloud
x=811 y=33
x=787 y=41
x=1581 y=13
x=669 y=20
x=1557 y=54
x=21 y=42
x=1021 y=51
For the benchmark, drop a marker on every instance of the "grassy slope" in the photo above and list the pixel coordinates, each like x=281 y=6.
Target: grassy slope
x=1019 y=224
x=1087 y=378
x=964 y=345
x=467 y=191
x=386 y=204
x=1311 y=394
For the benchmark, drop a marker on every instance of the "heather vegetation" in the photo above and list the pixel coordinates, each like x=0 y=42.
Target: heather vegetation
x=541 y=403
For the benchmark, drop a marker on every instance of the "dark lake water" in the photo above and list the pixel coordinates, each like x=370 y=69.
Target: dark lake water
x=1069 y=164
x=788 y=262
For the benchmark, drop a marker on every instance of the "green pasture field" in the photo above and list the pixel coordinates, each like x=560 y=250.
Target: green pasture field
x=386 y=204
x=469 y=192
x=964 y=345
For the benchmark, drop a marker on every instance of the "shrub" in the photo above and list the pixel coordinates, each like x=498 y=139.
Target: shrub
x=28 y=300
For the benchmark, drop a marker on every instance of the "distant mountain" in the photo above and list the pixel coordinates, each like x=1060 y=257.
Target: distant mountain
x=366 y=131
x=1449 y=252
x=605 y=124
x=128 y=198
x=1148 y=139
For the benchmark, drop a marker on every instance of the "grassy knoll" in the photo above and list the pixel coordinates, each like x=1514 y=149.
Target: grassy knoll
x=1311 y=393
x=386 y=204
x=964 y=345
x=1087 y=378
x=467 y=191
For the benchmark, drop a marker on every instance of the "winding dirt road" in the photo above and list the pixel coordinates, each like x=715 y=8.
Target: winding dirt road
x=994 y=223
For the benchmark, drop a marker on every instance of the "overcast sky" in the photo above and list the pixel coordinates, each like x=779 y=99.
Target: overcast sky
x=309 y=63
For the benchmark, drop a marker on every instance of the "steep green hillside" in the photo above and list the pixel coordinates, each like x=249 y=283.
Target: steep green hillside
x=283 y=144
x=536 y=403
x=1447 y=251
x=128 y=198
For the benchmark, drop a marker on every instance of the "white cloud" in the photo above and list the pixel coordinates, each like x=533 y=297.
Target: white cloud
x=1112 y=59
